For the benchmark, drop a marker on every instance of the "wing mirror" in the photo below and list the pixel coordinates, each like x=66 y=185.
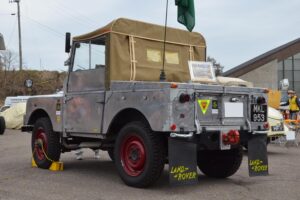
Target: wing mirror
x=68 y=43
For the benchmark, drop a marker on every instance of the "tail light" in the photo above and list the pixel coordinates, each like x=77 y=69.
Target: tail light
x=266 y=126
x=261 y=100
x=173 y=127
x=266 y=90
x=232 y=137
x=286 y=115
x=173 y=85
x=184 y=98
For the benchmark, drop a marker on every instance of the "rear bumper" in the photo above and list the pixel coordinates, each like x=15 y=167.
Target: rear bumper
x=261 y=132
x=276 y=134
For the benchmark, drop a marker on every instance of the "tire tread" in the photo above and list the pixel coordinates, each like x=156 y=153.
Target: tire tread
x=53 y=150
x=220 y=164
x=2 y=125
x=157 y=164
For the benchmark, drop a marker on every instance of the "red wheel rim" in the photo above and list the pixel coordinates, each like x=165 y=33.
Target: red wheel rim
x=133 y=155
x=40 y=136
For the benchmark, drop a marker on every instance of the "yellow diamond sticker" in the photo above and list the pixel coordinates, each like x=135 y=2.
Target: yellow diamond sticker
x=204 y=104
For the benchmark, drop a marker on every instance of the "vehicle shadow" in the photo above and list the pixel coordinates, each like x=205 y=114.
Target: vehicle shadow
x=90 y=166
x=271 y=151
x=106 y=171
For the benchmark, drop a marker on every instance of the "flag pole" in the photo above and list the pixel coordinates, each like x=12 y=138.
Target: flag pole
x=162 y=76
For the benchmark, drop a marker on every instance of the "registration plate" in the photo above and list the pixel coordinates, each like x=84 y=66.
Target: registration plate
x=259 y=113
x=277 y=128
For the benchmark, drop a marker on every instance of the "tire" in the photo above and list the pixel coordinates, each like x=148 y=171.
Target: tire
x=220 y=164
x=43 y=132
x=110 y=153
x=2 y=125
x=139 y=155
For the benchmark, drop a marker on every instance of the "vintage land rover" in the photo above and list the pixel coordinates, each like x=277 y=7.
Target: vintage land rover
x=114 y=100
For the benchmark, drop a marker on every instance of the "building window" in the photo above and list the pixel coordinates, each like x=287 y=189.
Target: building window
x=280 y=72
x=290 y=69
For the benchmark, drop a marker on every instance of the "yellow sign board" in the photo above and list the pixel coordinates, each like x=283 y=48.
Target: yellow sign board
x=274 y=97
x=204 y=104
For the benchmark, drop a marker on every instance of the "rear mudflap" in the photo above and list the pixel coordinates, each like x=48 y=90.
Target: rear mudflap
x=257 y=155
x=182 y=155
x=182 y=162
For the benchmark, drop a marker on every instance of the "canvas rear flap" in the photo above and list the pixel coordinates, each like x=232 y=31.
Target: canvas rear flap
x=148 y=59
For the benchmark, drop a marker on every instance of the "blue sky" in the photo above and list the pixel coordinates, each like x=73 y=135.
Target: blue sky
x=235 y=30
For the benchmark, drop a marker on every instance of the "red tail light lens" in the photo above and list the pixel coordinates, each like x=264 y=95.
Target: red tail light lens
x=184 y=98
x=173 y=127
x=267 y=126
x=231 y=138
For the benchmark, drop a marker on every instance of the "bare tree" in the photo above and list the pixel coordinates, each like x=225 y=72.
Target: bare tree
x=217 y=66
x=8 y=60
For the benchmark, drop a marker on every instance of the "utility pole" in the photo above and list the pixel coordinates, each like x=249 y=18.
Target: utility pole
x=20 y=38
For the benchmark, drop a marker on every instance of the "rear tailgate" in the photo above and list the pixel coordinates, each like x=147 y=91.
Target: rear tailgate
x=229 y=106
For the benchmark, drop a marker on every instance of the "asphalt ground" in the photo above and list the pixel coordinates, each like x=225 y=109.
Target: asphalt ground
x=98 y=179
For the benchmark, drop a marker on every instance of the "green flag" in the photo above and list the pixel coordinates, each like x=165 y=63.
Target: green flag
x=186 y=13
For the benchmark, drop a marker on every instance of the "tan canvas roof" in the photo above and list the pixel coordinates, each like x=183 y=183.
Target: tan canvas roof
x=135 y=50
x=146 y=31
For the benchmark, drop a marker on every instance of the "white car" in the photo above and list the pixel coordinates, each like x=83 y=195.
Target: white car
x=276 y=122
x=10 y=101
x=14 y=115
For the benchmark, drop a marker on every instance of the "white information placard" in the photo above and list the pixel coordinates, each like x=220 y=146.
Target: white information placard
x=200 y=71
x=234 y=109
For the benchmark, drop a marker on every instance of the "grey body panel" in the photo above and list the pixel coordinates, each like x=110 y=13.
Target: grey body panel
x=46 y=103
x=152 y=104
x=84 y=101
x=157 y=101
x=160 y=105
x=83 y=112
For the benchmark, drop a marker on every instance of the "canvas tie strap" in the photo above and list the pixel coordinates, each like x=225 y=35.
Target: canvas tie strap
x=191 y=51
x=132 y=58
